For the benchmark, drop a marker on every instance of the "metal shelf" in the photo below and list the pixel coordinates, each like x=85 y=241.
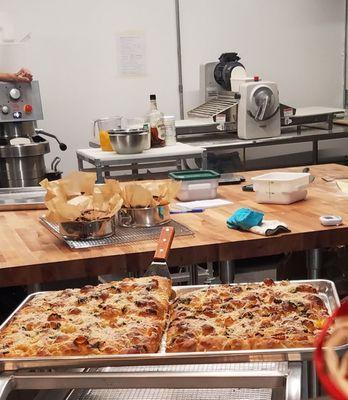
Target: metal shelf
x=172 y=382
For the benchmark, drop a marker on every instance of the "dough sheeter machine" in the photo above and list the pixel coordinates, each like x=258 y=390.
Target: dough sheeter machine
x=246 y=105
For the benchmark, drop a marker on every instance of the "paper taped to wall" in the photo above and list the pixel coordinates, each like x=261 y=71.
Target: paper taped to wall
x=132 y=54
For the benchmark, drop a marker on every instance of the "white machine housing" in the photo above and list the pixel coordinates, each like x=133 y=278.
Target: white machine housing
x=239 y=102
x=211 y=89
x=258 y=110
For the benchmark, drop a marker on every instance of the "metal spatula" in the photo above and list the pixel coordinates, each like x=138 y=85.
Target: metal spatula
x=159 y=264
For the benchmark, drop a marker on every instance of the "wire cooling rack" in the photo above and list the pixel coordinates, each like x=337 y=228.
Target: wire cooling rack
x=184 y=394
x=122 y=235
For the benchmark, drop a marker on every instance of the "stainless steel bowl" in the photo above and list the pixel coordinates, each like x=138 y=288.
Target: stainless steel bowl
x=87 y=229
x=144 y=217
x=129 y=141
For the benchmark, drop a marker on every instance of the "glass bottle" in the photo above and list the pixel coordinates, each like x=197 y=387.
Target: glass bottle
x=155 y=123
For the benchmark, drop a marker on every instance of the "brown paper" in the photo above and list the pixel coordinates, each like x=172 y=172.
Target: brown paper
x=78 y=183
x=77 y=197
x=136 y=196
x=149 y=194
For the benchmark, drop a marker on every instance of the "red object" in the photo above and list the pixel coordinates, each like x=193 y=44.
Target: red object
x=28 y=108
x=156 y=141
x=329 y=385
x=256 y=78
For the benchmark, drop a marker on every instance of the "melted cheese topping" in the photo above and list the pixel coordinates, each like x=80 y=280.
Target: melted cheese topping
x=130 y=317
x=250 y=316
x=118 y=317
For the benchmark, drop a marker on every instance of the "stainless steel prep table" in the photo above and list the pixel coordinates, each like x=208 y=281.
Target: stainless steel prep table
x=104 y=162
x=229 y=141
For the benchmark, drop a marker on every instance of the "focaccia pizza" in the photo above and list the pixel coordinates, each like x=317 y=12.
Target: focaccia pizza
x=123 y=317
x=251 y=316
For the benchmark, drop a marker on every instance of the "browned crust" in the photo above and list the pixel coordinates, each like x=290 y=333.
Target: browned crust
x=244 y=317
x=115 y=318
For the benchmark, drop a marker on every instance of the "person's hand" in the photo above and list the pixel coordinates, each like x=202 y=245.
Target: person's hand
x=23 y=75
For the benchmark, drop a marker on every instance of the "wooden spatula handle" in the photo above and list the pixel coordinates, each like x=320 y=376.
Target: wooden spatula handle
x=164 y=242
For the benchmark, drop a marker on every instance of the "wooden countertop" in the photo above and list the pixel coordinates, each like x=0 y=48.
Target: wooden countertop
x=31 y=254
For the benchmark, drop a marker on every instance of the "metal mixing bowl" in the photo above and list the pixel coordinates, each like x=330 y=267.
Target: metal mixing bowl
x=96 y=229
x=144 y=217
x=129 y=141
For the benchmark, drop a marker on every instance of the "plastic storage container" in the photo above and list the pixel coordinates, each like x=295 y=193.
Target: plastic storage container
x=281 y=187
x=196 y=185
x=169 y=125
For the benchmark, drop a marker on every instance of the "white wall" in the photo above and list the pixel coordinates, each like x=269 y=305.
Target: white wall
x=298 y=44
x=72 y=52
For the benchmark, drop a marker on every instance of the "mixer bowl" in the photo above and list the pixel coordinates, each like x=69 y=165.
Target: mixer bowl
x=129 y=141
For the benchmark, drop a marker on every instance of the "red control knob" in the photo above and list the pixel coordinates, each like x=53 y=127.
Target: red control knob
x=256 y=78
x=28 y=108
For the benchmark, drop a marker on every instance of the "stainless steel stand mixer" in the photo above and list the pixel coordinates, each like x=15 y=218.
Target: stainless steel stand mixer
x=22 y=147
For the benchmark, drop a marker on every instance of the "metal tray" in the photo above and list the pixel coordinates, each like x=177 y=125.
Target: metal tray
x=122 y=234
x=327 y=292
x=23 y=198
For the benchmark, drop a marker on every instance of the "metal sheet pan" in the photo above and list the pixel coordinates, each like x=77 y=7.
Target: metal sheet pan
x=23 y=198
x=327 y=292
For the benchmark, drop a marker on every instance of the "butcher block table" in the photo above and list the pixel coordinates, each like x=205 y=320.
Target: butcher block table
x=31 y=254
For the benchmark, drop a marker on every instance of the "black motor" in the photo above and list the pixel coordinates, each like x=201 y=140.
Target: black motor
x=223 y=70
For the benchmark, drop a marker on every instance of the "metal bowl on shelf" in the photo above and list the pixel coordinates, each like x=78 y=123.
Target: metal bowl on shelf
x=129 y=141
x=144 y=217
x=97 y=229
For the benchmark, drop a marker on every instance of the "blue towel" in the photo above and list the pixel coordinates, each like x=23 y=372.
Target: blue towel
x=244 y=219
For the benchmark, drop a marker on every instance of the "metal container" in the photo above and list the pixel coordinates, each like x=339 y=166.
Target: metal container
x=87 y=229
x=129 y=141
x=144 y=217
x=21 y=149
x=23 y=165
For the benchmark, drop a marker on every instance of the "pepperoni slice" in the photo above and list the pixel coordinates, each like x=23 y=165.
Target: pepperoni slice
x=75 y=311
x=306 y=289
x=54 y=317
x=86 y=289
x=81 y=341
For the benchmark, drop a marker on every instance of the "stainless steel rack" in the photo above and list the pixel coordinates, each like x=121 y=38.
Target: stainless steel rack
x=122 y=235
x=185 y=382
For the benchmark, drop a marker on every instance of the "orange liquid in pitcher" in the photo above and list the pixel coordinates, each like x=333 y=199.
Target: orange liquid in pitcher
x=105 y=141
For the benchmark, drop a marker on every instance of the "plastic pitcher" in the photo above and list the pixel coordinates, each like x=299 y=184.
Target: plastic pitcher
x=103 y=125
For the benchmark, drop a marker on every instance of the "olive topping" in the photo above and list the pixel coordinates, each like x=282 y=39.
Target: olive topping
x=82 y=300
